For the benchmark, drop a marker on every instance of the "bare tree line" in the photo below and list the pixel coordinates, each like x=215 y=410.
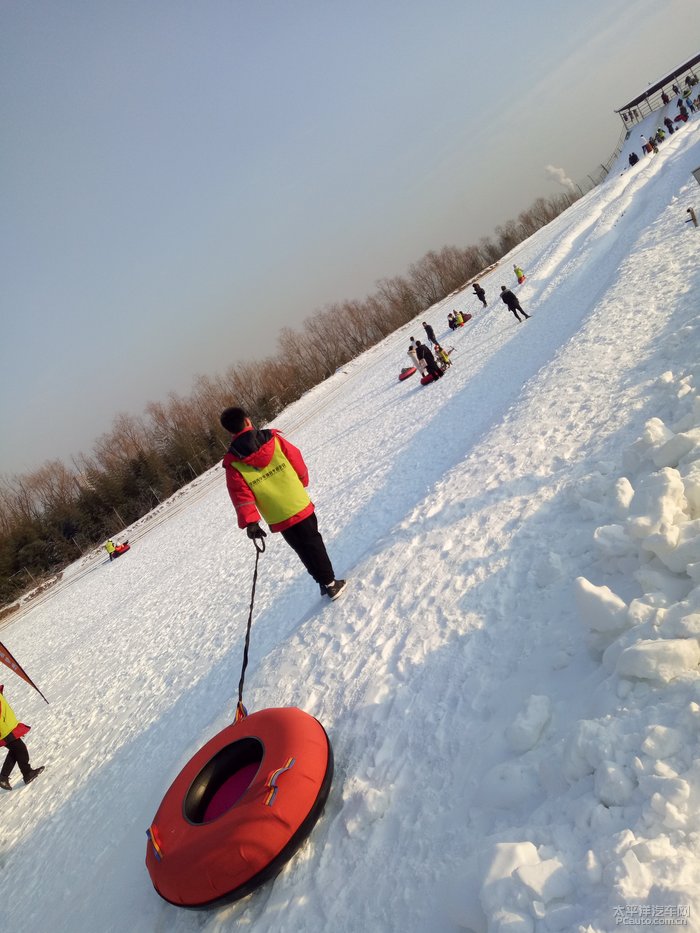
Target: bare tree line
x=51 y=515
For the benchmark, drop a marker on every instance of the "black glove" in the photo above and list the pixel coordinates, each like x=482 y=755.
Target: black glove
x=255 y=531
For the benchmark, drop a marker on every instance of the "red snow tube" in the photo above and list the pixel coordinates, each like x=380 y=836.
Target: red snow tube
x=405 y=373
x=427 y=378
x=121 y=549
x=240 y=808
x=466 y=317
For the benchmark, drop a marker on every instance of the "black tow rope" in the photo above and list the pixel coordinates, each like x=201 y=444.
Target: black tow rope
x=241 y=711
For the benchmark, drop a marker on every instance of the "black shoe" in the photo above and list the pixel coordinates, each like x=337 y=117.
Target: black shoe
x=5 y=784
x=335 y=588
x=528 y=316
x=34 y=773
x=324 y=591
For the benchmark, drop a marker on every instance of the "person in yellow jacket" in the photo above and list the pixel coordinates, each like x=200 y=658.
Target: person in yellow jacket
x=266 y=477
x=110 y=547
x=443 y=356
x=11 y=733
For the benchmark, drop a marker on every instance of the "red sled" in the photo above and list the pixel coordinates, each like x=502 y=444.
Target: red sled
x=405 y=373
x=122 y=548
x=466 y=317
x=521 y=279
x=240 y=808
x=427 y=378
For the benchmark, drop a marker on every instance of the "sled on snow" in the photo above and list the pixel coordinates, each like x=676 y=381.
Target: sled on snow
x=240 y=808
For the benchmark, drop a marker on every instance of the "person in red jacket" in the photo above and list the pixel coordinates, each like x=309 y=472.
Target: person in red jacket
x=11 y=733
x=266 y=477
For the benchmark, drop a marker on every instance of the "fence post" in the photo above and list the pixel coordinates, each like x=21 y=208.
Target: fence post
x=119 y=517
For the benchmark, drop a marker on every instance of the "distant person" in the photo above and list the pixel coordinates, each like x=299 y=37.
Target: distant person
x=633 y=158
x=690 y=104
x=480 y=293
x=682 y=111
x=425 y=353
x=649 y=144
x=668 y=123
x=430 y=332
x=451 y=323
x=519 y=274
x=11 y=733
x=665 y=98
x=266 y=476
x=116 y=550
x=676 y=90
x=511 y=301
x=459 y=318
x=413 y=357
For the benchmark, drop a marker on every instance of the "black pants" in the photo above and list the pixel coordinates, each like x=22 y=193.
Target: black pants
x=16 y=754
x=433 y=369
x=305 y=539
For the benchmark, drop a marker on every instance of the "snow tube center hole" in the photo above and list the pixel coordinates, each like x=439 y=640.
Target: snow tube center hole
x=223 y=780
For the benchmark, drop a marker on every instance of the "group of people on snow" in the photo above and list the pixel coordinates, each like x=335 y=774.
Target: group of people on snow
x=266 y=478
x=455 y=319
x=440 y=352
x=650 y=144
x=422 y=357
x=434 y=362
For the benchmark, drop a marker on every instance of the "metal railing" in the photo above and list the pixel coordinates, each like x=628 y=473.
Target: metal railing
x=641 y=111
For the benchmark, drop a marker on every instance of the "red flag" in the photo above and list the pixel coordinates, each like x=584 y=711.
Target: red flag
x=7 y=658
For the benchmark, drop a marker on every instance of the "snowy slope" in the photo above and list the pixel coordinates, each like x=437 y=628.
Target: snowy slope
x=515 y=744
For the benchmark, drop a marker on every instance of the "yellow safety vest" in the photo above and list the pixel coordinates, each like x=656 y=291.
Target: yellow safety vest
x=8 y=720
x=279 y=493
x=109 y=547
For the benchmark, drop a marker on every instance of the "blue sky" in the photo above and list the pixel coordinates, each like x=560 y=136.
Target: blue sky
x=181 y=179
